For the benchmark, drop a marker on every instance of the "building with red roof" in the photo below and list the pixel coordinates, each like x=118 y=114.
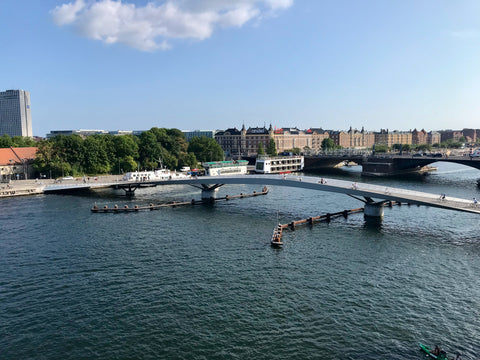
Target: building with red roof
x=17 y=163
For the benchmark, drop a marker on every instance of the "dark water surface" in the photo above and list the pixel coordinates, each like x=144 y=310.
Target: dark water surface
x=204 y=283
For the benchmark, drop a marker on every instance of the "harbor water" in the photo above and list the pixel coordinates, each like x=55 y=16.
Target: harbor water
x=203 y=282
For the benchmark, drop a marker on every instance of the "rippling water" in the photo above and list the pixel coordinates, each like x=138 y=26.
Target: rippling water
x=203 y=282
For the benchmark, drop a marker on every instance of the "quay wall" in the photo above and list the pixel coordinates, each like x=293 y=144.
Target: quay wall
x=37 y=186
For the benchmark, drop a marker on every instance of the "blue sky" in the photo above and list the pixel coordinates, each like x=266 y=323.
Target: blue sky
x=213 y=64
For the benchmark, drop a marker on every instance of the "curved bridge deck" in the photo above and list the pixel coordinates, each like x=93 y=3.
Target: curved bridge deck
x=368 y=191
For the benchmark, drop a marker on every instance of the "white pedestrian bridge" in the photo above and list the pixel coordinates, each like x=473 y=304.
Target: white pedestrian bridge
x=374 y=196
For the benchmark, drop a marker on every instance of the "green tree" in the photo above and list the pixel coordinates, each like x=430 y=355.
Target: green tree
x=294 y=150
x=16 y=141
x=187 y=159
x=260 y=150
x=271 y=148
x=205 y=149
x=406 y=147
x=96 y=155
x=328 y=144
x=22 y=141
x=51 y=160
x=424 y=147
x=125 y=145
x=150 y=151
x=451 y=144
x=44 y=157
x=127 y=163
x=70 y=149
x=381 y=148
x=5 y=141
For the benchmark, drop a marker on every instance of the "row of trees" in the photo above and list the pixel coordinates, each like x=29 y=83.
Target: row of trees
x=108 y=154
x=449 y=144
x=16 y=141
x=271 y=148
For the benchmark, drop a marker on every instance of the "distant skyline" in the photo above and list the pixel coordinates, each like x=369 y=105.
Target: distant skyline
x=214 y=64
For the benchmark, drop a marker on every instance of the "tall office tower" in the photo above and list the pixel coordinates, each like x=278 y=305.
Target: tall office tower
x=15 y=114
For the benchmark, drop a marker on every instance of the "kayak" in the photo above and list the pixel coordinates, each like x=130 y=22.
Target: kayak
x=426 y=349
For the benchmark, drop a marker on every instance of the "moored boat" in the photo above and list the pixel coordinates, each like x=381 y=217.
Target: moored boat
x=279 y=164
x=161 y=174
x=233 y=167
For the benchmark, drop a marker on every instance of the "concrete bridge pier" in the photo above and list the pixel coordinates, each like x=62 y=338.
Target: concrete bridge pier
x=373 y=210
x=129 y=190
x=208 y=192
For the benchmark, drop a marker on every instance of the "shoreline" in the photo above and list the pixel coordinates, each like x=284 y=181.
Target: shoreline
x=36 y=187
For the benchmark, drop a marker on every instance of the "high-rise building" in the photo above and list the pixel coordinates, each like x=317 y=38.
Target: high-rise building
x=15 y=113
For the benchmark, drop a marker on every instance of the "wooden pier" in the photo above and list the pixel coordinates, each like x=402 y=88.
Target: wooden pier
x=126 y=208
x=276 y=240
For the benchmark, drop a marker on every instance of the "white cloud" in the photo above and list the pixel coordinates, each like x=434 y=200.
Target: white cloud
x=67 y=13
x=150 y=27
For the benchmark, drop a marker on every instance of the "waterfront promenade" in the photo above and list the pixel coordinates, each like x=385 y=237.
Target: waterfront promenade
x=37 y=186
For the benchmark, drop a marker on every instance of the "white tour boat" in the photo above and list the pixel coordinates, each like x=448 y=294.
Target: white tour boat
x=279 y=164
x=234 y=167
x=157 y=175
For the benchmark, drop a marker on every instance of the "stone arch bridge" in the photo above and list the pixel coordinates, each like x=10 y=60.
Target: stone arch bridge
x=385 y=165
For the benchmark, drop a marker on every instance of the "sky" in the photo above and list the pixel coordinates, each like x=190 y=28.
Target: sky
x=215 y=64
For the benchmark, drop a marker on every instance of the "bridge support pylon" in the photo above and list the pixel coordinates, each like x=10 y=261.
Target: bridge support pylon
x=373 y=210
x=208 y=192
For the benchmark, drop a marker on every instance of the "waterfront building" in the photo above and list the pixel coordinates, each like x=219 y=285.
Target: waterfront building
x=237 y=143
x=82 y=133
x=433 y=137
x=17 y=163
x=252 y=137
x=15 y=113
x=454 y=135
x=245 y=142
x=318 y=135
x=419 y=137
x=353 y=139
x=470 y=135
x=120 y=132
x=390 y=138
x=290 y=138
x=230 y=141
x=190 y=134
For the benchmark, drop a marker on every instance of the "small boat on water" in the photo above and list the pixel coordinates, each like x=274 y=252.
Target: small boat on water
x=277 y=237
x=436 y=353
x=276 y=242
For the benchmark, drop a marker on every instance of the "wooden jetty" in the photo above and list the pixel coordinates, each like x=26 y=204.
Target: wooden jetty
x=126 y=208
x=276 y=240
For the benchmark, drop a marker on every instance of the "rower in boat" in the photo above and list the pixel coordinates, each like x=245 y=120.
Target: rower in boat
x=437 y=353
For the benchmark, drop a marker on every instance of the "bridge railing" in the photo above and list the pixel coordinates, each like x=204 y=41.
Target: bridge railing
x=340 y=152
x=386 y=192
